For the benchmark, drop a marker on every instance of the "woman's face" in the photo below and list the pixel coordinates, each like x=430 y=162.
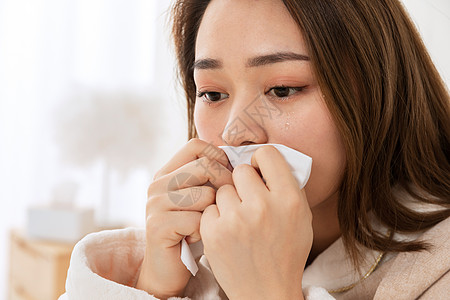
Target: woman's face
x=255 y=84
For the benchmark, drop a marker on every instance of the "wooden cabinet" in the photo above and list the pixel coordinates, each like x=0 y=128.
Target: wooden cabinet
x=38 y=269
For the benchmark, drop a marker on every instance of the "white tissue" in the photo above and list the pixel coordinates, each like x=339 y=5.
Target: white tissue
x=185 y=257
x=299 y=163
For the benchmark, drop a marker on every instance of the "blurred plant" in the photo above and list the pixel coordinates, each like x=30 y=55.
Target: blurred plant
x=120 y=129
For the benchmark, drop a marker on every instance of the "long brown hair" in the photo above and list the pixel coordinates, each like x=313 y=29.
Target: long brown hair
x=387 y=99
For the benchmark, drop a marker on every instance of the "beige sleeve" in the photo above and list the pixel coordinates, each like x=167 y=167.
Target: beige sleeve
x=439 y=290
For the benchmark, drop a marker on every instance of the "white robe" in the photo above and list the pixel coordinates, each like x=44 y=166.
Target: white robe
x=105 y=266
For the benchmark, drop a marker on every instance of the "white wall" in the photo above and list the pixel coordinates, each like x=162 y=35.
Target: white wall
x=432 y=18
x=52 y=49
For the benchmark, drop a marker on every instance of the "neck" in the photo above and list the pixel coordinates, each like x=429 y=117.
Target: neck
x=325 y=226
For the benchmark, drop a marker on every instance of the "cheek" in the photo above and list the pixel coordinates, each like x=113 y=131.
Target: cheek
x=314 y=133
x=200 y=121
x=329 y=161
x=206 y=125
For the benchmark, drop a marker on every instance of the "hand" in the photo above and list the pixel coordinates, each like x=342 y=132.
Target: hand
x=257 y=236
x=176 y=198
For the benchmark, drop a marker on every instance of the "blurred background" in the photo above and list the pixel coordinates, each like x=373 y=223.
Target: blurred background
x=90 y=107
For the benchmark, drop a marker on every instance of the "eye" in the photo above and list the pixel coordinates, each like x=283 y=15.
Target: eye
x=212 y=96
x=284 y=91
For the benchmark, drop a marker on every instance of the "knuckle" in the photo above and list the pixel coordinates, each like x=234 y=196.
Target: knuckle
x=153 y=223
x=152 y=187
x=152 y=202
x=223 y=188
x=266 y=150
x=242 y=168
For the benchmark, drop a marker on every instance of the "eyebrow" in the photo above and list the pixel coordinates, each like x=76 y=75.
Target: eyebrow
x=207 y=63
x=257 y=61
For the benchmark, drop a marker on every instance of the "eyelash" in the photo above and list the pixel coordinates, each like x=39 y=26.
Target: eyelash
x=202 y=94
x=297 y=90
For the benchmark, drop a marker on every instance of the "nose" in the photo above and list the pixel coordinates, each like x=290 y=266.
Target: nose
x=246 y=122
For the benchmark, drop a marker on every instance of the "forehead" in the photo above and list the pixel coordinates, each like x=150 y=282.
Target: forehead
x=238 y=29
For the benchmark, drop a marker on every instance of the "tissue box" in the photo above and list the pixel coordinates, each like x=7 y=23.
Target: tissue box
x=59 y=224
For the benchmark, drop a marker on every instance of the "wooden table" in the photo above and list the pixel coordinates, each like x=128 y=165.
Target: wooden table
x=38 y=269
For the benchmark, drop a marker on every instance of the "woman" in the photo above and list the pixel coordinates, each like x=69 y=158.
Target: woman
x=348 y=83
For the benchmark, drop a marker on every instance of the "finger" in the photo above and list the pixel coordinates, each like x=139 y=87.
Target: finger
x=196 y=173
x=227 y=199
x=249 y=184
x=274 y=168
x=191 y=151
x=195 y=198
x=171 y=227
x=209 y=215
